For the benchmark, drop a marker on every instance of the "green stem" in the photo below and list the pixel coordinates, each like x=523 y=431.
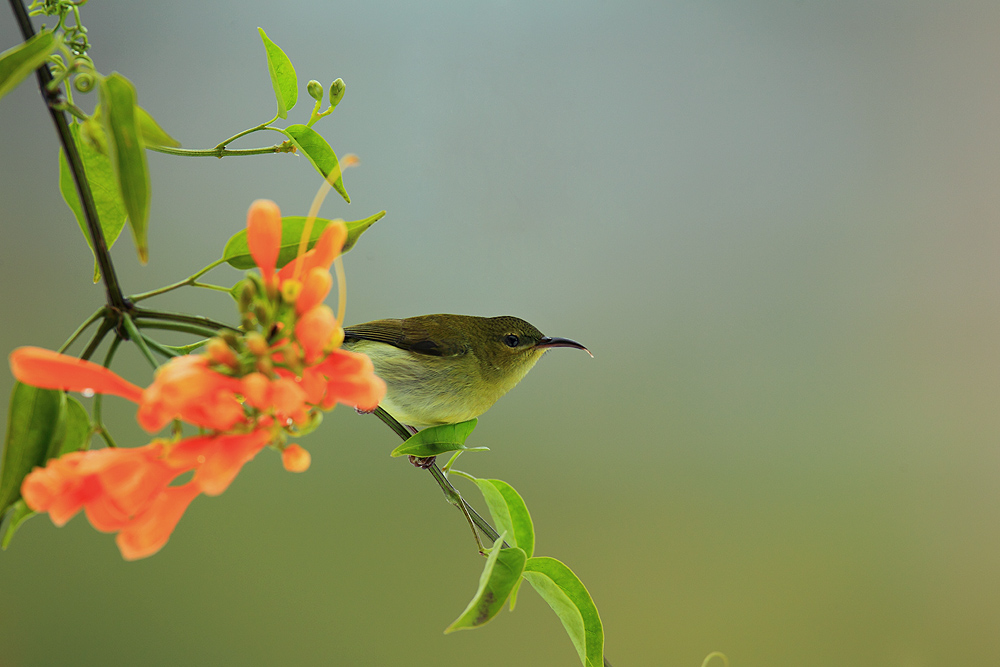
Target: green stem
x=113 y=290
x=173 y=326
x=244 y=133
x=285 y=147
x=136 y=337
x=190 y=280
x=179 y=350
x=196 y=320
x=83 y=327
x=95 y=341
x=161 y=348
x=99 y=399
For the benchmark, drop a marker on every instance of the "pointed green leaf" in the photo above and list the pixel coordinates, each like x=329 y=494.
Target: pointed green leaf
x=152 y=133
x=286 y=87
x=510 y=515
x=571 y=602
x=437 y=440
x=103 y=188
x=17 y=63
x=128 y=155
x=316 y=148
x=237 y=252
x=75 y=435
x=503 y=570
x=36 y=418
x=18 y=515
x=509 y=512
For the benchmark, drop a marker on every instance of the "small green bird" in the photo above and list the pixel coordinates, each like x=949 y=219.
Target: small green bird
x=445 y=369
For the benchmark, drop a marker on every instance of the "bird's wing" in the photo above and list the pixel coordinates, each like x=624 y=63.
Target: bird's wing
x=410 y=334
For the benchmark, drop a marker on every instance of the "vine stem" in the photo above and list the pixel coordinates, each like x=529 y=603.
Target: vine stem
x=115 y=297
x=285 y=147
x=190 y=280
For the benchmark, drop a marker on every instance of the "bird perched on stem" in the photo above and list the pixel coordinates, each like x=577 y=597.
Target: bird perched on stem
x=445 y=369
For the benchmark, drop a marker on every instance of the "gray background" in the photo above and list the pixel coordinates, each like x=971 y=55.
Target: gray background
x=774 y=223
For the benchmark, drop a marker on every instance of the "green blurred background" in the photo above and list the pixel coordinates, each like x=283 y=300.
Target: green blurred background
x=774 y=223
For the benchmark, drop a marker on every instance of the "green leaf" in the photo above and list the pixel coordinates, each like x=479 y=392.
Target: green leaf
x=237 y=253
x=509 y=512
x=103 y=187
x=17 y=63
x=128 y=155
x=436 y=440
x=286 y=87
x=510 y=515
x=152 y=133
x=503 y=570
x=315 y=147
x=75 y=435
x=18 y=515
x=571 y=602
x=36 y=418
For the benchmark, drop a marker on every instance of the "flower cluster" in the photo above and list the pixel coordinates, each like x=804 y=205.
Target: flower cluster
x=247 y=390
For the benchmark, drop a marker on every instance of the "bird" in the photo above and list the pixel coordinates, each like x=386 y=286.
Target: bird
x=445 y=369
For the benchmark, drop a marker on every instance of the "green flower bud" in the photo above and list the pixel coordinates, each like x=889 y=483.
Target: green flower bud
x=315 y=89
x=336 y=92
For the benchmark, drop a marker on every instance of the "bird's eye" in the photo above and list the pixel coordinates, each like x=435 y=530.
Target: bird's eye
x=510 y=340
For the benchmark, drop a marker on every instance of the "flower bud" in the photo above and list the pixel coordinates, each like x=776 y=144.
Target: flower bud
x=295 y=459
x=315 y=90
x=256 y=343
x=336 y=92
x=290 y=290
x=220 y=353
x=247 y=292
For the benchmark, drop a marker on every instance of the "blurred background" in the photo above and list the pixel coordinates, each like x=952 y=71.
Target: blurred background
x=774 y=224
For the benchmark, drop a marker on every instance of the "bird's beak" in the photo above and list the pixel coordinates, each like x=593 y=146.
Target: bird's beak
x=550 y=341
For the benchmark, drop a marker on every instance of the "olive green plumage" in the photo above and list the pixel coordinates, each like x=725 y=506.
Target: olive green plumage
x=444 y=369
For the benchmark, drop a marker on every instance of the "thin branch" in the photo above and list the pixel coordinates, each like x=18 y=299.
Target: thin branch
x=285 y=147
x=114 y=292
x=83 y=327
x=190 y=280
x=196 y=320
x=446 y=486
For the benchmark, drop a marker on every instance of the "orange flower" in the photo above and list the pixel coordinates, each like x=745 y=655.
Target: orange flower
x=128 y=490
x=264 y=236
x=51 y=370
x=186 y=388
x=112 y=485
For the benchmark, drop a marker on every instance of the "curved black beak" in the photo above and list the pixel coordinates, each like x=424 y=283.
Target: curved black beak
x=550 y=341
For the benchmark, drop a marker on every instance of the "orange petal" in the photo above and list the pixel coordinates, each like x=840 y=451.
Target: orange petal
x=225 y=457
x=148 y=533
x=255 y=387
x=315 y=330
x=327 y=248
x=264 y=235
x=315 y=288
x=51 y=370
x=185 y=387
x=351 y=381
x=295 y=459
